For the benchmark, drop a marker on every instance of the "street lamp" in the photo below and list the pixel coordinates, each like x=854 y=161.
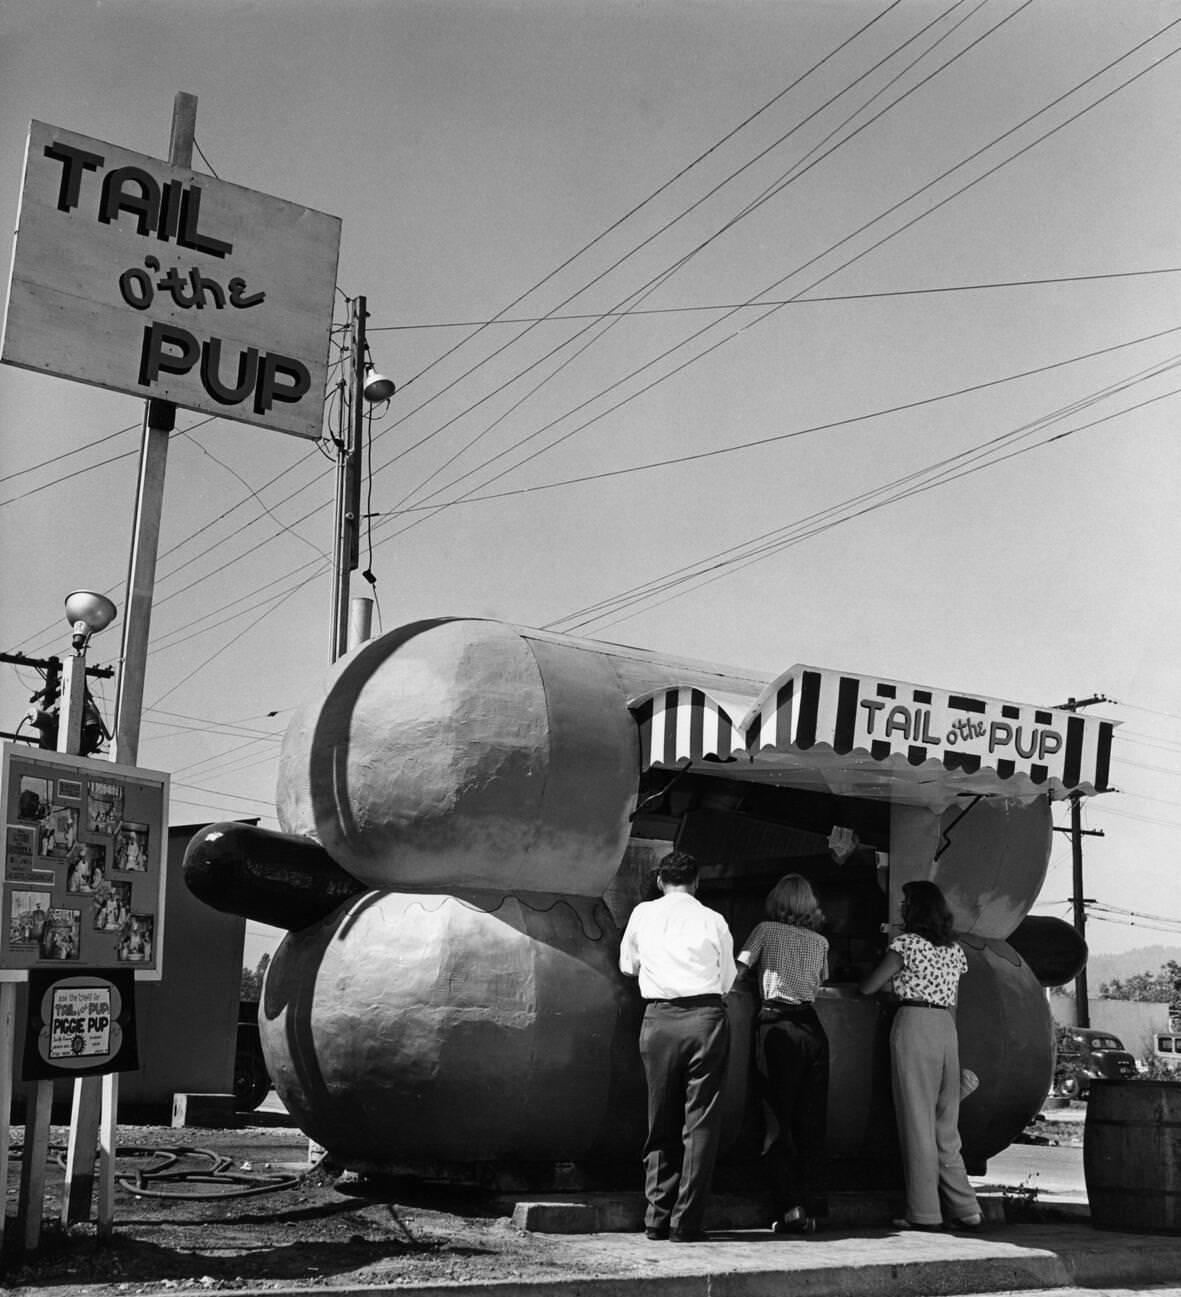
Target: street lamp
x=376 y=386
x=88 y=613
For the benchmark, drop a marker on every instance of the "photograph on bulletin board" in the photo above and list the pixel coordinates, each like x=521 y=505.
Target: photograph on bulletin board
x=83 y=868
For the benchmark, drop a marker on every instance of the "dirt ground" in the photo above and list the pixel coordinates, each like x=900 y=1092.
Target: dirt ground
x=243 y=1209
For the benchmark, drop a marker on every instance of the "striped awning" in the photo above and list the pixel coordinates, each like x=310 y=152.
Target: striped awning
x=687 y=724
x=865 y=736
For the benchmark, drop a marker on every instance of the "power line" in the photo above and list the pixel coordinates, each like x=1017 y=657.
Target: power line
x=796 y=432
x=961 y=191
x=228 y=644
x=660 y=190
x=66 y=454
x=219 y=793
x=678 y=264
x=882 y=215
x=324 y=506
x=763 y=546
x=645 y=289
x=1152 y=711
x=634 y=312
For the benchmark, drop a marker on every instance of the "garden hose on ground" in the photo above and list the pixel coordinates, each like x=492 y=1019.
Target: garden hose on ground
x=151 y=1181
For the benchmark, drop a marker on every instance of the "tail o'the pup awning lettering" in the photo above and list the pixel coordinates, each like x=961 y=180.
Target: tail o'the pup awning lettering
x=882 y=737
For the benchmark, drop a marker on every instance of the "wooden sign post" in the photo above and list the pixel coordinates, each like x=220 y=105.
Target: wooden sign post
x=145 y=277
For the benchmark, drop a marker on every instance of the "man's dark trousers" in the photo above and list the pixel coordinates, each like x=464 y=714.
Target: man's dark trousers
x=683 y=1045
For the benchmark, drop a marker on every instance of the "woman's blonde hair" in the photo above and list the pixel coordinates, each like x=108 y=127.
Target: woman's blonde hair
x=793 y=901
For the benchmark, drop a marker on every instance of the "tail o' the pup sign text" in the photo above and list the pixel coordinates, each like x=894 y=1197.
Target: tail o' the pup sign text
x=138 y=276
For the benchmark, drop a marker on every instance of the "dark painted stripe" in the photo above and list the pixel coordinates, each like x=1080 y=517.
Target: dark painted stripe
x=696 y=723
x=1038 y=774
x=969 y=762
x=879 y=749
x=1072 y=761
x=1103 y=756
x=1011 y=713
x=1005 y=769
x=962 y=704
x=671 y=719
x=784 y=737
x=847 y=695
x=805 y=735
x=725 y=733
x=754 y=734
x=922 y=695
x=1043 y=718
x=886 y=691
x=916 y=755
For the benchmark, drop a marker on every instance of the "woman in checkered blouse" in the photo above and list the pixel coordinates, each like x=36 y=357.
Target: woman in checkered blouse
x=790 y=958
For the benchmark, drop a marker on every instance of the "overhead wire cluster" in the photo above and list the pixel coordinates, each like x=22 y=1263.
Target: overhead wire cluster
x=259 y=517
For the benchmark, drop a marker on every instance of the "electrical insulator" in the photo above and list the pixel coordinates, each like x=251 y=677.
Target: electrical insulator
x=45 y=723
x=43 y=715
x=94 y=732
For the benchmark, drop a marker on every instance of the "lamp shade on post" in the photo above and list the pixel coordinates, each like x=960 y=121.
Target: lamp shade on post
x=377 y=387
x=88 y=613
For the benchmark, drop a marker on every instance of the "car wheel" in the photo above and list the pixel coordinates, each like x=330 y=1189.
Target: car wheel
x=1071 y=1087
x=252 y=1082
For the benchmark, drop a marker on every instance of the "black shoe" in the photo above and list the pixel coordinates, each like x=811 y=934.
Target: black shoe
x=900 y=1222
x=798 y=1225
x=967 y=1224
x=657 y=1235
x=688 y=1236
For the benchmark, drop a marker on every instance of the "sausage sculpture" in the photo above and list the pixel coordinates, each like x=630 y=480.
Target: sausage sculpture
x=471 y=809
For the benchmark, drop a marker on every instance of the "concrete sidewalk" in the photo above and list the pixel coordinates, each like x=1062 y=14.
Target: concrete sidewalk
x=590 y=1246
x=864 y=1263
x=1037 y=1237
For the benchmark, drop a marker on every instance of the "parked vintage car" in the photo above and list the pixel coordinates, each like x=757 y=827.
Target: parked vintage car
x=1166 y=1049
x=1086 y=1054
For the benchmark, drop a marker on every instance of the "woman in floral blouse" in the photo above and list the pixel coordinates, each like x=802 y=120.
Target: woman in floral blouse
x=926 y=963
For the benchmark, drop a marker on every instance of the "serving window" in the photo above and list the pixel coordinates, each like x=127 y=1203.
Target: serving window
x=747 y=835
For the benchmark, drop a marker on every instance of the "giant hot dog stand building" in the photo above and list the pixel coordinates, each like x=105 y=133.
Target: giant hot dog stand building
x=471 y=809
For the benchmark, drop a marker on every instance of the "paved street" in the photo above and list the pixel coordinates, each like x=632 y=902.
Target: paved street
x=1050 y=1171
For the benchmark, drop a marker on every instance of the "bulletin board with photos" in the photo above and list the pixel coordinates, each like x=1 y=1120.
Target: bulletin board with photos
x=84 y=850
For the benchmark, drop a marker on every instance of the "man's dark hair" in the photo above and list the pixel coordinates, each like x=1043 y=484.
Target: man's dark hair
x=677 y=869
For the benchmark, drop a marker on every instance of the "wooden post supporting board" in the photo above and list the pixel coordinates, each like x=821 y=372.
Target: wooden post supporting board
x=31 y=1203
x=80 y=1150
x=106 y=1149
x=7 y=1071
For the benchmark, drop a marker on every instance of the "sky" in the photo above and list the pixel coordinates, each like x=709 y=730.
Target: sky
x=840 y=332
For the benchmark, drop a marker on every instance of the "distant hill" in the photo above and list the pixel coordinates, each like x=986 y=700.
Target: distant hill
x=1147 y=959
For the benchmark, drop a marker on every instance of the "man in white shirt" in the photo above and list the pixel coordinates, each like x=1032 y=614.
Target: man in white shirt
x=683 y=955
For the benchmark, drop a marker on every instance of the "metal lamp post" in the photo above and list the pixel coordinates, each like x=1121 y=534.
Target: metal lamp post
x=87 y=613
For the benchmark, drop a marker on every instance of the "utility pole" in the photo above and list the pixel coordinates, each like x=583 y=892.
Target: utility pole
x=349 y=473
x=351 y=618
x=1082 y=1008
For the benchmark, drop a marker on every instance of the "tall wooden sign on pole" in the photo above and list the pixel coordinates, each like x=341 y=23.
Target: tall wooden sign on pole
x=145 y=277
